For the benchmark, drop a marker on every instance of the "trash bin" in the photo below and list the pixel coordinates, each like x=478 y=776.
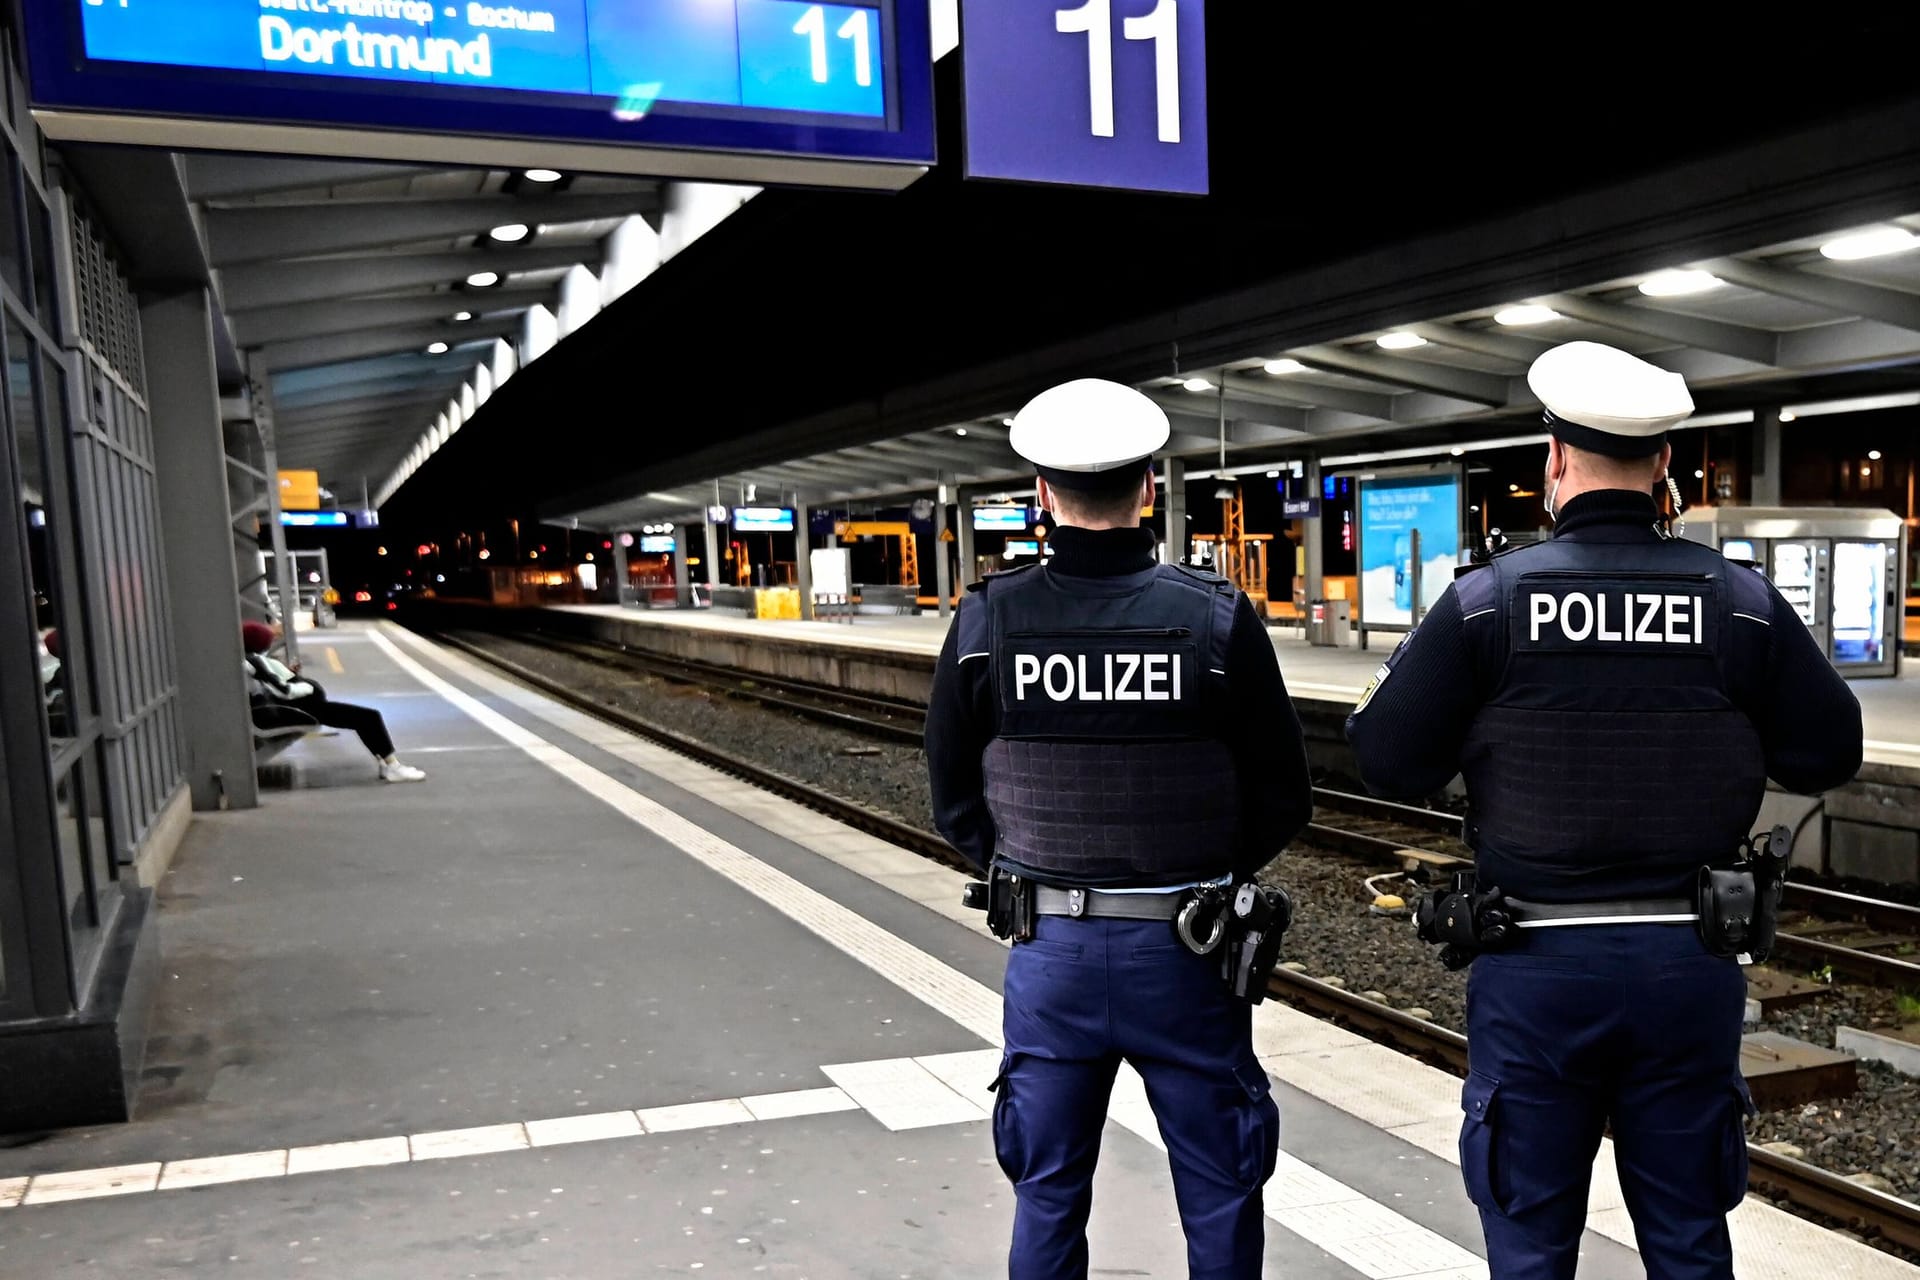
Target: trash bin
x=1329 y=623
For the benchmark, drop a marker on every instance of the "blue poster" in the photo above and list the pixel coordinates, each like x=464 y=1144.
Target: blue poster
x=1392 y=509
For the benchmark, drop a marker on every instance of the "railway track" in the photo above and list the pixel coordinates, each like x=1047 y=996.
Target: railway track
x=1809 y=1189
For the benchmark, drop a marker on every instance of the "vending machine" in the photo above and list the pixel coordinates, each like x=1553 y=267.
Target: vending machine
x=1839 y=567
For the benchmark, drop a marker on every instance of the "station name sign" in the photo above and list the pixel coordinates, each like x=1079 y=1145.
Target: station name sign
x=748 y=90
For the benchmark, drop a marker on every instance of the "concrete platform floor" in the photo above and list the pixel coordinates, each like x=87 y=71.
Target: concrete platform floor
x=577 y=1007
x=1891 y=707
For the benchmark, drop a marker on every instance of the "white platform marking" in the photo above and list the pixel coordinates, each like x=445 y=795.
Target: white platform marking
x=451 y=1144
x=799 y=1102
x=695 y=1115
x=86 y=1184
x=364 y=1154
x=595 y=1128
x=11 y=1190
x=181 y=1174
x=902 y=1094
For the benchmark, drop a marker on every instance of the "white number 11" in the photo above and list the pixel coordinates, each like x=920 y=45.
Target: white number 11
x=813 y=24
x=1162 y=26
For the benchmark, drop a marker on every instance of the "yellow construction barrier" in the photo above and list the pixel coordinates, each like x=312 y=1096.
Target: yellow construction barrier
x=778 y=603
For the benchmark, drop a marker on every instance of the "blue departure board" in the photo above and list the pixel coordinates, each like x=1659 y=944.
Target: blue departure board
x=847 y=81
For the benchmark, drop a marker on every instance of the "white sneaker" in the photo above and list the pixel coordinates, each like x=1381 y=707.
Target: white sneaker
x=394 y=771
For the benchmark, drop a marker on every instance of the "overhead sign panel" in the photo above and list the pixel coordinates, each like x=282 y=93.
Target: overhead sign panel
x=783 y=90
x=1095 y=93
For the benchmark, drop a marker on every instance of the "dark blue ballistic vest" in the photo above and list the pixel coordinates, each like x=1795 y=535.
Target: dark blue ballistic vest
x=1109 y=766
x=1613 y=753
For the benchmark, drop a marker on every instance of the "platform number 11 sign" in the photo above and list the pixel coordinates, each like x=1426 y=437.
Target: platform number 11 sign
x=1105 y=93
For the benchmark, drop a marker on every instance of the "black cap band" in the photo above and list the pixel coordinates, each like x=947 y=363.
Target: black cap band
x=1593 y=440
x=1114 y=480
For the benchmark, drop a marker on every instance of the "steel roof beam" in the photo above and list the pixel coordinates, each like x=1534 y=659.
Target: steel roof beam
x=1418 y=408
x=1847 y=297
x=369 y=389
x=220 y=177
x=1484 y=342
x=360 y=411
x=1489 y=389
x=270 y=232
x=321 y=353
x=278 y=284
x=322 y=319
x=1296 y=393
x=1857 y=343
x=1756 y=346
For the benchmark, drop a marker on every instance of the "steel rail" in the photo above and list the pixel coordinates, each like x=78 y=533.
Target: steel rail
x=1808 y=1188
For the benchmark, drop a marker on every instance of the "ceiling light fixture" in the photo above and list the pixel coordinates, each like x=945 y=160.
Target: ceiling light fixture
x=436 y=348
x=542 y=175
x=1679 y=283
x=1873 y=455
x=1273 y=475
x=959 y=431
x=1285 y=365
x=1872 y=242
x=1525 y=313
x=461 y=317
x=1400 y=340
x=483 y=279
x=1197 y=385
x=510 y=232
x=1788 y=415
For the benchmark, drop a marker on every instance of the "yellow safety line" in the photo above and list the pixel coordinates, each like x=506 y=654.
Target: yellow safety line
x=333 y=661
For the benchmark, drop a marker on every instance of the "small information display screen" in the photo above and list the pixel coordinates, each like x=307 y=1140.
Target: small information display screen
x=765 y=76
x=1002 y=519
x=656 y=544
x=763 y=519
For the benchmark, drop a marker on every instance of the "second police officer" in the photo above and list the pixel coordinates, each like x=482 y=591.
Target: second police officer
x=1615 y=700
x=1112 y=736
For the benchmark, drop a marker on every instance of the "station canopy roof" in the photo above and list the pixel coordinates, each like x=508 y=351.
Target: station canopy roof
x=370 y=292
x=1782 y=325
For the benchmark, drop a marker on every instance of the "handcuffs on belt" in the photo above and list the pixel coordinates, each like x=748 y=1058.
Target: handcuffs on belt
x=1245 y=923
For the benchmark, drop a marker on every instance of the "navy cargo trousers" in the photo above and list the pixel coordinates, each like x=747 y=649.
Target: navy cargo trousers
x=1633 y=1025
x=1081 y=997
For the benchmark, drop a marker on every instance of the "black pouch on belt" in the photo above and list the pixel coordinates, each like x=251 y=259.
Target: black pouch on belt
x=1463 y=920
x=1740 y=905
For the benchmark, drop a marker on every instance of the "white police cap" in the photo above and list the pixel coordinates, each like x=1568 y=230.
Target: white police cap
x=1604 y=400
x=1090 y=434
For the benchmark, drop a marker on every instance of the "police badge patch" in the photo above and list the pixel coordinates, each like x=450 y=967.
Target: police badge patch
x=1379 y=678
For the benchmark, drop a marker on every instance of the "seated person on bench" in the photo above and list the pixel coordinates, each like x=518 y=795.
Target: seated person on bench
x=283 y=698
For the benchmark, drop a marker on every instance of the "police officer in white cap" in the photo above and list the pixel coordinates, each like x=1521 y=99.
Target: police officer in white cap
x=1616 y=700
x=1112 y=736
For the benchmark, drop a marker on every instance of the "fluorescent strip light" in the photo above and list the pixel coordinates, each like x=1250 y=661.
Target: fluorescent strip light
x=1858 y=404
x=1432 y=450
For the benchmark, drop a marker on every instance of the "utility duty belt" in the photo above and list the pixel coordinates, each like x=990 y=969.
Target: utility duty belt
x=1243 y=924
x=1735 y=908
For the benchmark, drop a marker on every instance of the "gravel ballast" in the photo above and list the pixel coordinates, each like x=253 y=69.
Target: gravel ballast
x=1334 y=934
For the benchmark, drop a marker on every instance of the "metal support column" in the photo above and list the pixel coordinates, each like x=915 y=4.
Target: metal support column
x=261 y=393
x=802 y=559
x=968 y=559
x=622 y=589
x=942 y=560
x=1174 y=475
x=712 y=563
x=1313 y=544
x=1766 y=458
x=190 y=472
x=682 y=583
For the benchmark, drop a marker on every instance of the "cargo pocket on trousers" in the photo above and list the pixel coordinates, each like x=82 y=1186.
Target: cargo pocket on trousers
x=1480 y=1142
x=1259 y=1125
x=1733 y=1155
x=1008 y=1149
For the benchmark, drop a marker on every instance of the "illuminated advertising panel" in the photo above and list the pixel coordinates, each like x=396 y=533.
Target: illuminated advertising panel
x=629 y=82
x=1393 y=507
x=656 y=544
